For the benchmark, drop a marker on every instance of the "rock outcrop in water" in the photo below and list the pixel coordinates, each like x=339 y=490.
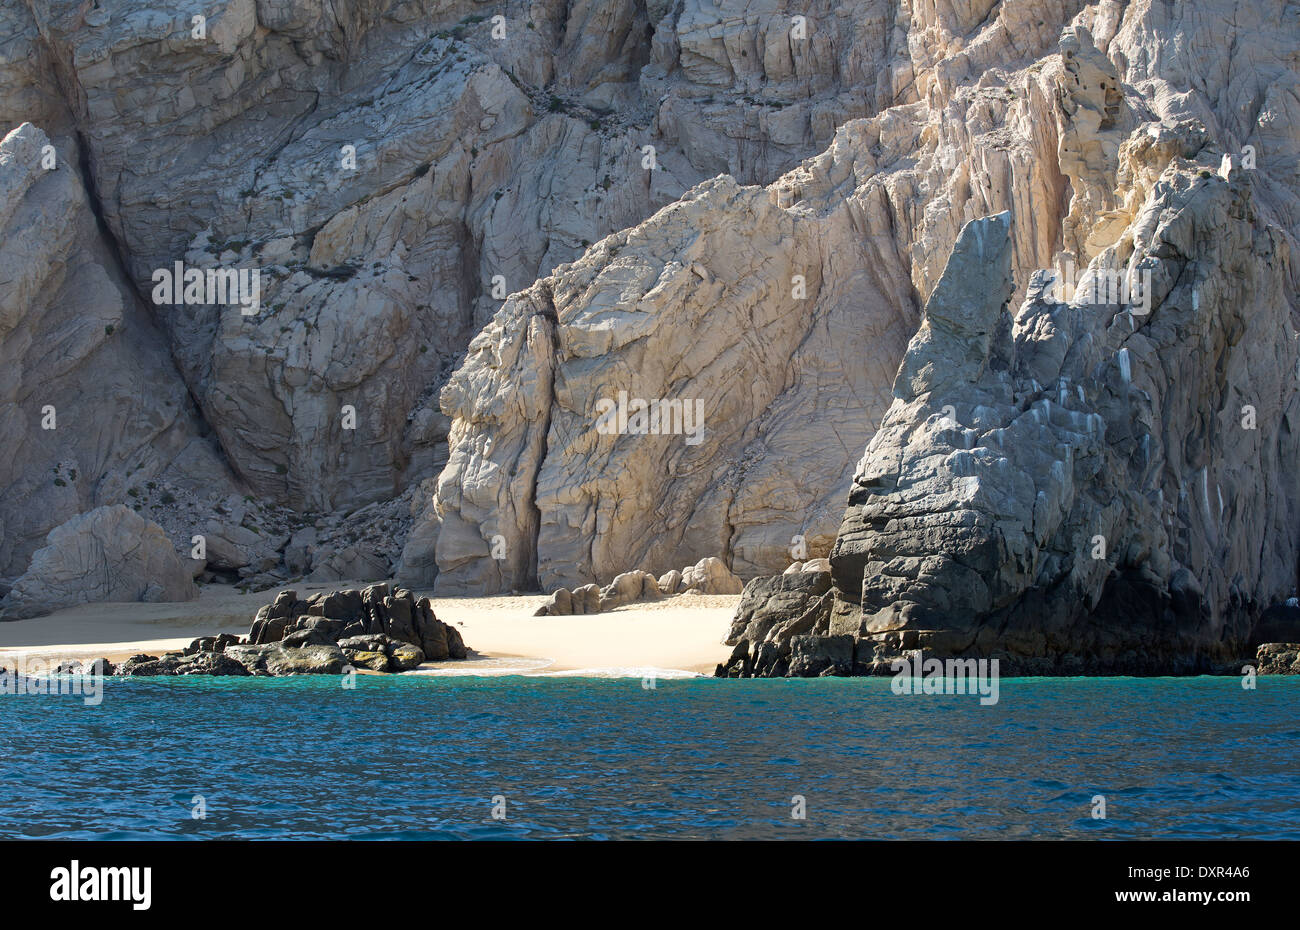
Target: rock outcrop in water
x=1278 y=659
x=375 y=628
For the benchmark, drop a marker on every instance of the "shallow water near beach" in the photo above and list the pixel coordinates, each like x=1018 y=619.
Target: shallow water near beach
x=422 y=757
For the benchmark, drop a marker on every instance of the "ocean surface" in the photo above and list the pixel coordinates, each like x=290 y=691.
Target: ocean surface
x=424 y=757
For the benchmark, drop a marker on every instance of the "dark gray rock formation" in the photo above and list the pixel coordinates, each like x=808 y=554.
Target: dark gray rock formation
x=177 y=663
x=326 y=634
x=1101 y=486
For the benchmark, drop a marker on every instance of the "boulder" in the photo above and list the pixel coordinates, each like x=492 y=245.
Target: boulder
x=176 y=663
x=267 y=630
x=211 y=643
x=101 y=667
x=305 y=660
x=310 y=636
x=432 y=632
x=370 y=642
x=229 y=548
x=398 y=622
x=332 y=629
x=670 y=582
x=710 y=576
x=624 y=589
x=560 y=604
x=342 y=605
x=368 y=659
x=456 y=648
x=110 y=553
x=403 y=657
x=586 y=599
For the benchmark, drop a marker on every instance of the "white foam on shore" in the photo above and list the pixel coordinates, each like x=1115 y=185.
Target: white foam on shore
x=537 y=668
x=514 y=665
x=623 y=672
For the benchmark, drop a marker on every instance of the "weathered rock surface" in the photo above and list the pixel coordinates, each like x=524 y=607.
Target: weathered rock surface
x=1278 y=659
x=708 y=576
x=780 y=295
x=376 y=619
x=108 y=554
x=328 y=633
x=770 y=606
x=1089 y=490
x=785 y=310
x=90 y=402
x=176 y=663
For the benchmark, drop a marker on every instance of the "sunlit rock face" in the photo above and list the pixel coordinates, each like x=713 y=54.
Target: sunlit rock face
x=1102 y=485
x=473 y=234
x=1075 y=122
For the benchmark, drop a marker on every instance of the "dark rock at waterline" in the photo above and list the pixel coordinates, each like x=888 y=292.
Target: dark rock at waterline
x=404 y=657
x=179 y=663
x=813 y=656
x=211 y=643
x=737 y=665
x=380 y=652
x=456 y=648
x=367 y=659
x=276 y=659
x=101 y=667
x=376 y=628
x=1278 y=624
x=776 y=607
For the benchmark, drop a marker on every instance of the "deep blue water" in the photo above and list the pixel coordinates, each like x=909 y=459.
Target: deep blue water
x=423 y=757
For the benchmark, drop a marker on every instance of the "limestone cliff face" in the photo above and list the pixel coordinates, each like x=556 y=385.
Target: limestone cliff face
x=392 y=170
x=478 y=153
x=473 y=234
x=89 y=399
x=1067 y=118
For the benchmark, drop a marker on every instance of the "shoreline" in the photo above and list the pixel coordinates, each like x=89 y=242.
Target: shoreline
x=678 y=636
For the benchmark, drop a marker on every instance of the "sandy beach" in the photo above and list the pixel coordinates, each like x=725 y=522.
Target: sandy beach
x=681 y=634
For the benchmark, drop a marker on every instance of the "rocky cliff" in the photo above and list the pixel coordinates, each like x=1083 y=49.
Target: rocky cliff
x=549 y=292
x=1097 y=487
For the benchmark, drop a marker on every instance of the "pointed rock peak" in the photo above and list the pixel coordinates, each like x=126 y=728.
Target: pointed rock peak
x=965 y=314
x=976 y=284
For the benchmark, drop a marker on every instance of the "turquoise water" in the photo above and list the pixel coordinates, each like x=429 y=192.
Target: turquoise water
x=423 y=757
